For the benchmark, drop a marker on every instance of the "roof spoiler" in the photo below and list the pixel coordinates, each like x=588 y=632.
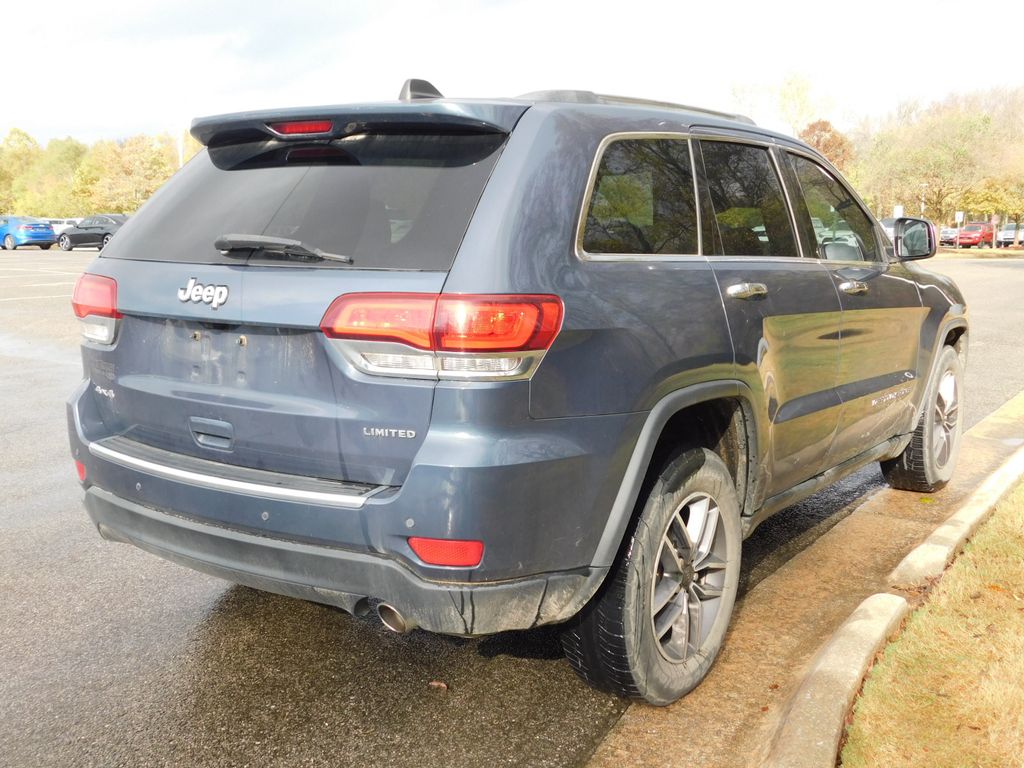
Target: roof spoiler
x=325 y=123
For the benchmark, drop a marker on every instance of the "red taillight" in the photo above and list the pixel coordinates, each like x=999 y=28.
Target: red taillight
x=450 y=552
x=496 y=323
x=301 y=127
x=447 y=323
x=95 y=295
x=80 y=469
x=406 y=318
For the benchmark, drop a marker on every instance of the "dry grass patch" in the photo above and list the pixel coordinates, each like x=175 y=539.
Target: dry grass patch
x=949 y=691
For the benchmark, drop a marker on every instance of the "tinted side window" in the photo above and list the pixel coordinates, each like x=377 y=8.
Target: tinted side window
x=749 y=206
x=643 y=200
x=842 y=230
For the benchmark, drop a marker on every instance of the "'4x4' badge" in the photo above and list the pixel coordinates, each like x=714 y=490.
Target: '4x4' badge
x=196 y=292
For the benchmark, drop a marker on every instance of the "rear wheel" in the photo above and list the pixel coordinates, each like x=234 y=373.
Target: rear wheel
x=64 y=242
x=656 y=627
x=9 y=243
x=106 y=239
x=46 y=247
x=928 y=462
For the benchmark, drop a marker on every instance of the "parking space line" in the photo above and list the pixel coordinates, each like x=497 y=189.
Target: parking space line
x=30 y=298
x=37 y=270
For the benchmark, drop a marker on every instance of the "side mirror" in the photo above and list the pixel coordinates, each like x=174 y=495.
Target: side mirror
x=914 y=239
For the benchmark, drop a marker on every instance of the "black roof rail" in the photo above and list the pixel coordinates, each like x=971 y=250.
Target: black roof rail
x=589 y=97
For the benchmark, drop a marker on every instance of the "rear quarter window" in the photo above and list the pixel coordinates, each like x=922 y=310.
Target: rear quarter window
x=642 y=200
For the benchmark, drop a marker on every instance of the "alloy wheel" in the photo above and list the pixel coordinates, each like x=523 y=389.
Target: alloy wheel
x=944 y=418
x=689 y=578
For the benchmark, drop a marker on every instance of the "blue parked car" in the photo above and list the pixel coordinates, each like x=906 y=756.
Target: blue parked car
x=25 y=230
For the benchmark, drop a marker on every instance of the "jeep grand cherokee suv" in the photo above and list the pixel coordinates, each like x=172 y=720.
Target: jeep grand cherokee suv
x=488 y=365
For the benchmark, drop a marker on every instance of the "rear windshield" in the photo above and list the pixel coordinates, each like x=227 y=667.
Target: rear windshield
x=389 y=201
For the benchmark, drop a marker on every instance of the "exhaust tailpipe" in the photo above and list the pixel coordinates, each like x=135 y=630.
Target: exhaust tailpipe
x=393 y=619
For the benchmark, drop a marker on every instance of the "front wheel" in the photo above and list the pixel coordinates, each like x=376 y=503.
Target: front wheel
x=9 y=243
x=656 y=626
x=927 y=463
x=46 y=247
x=64 y=242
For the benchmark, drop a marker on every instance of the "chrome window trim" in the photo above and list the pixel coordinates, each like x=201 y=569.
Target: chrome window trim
x=584 y=255
x=212 y=482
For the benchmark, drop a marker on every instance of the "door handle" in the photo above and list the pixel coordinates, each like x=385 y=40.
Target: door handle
x=747 y=290
x=853 y=287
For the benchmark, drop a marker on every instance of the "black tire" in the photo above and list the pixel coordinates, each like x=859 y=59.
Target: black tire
x=9 y=243
x=103 y=243
x=927 y=463
x=46 y=247
x=614 y=644
x=64 y=243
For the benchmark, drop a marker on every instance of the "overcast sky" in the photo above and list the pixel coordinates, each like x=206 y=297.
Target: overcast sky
x=100 y=69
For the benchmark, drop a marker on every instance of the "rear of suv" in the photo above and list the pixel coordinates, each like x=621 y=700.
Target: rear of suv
x=489 y=365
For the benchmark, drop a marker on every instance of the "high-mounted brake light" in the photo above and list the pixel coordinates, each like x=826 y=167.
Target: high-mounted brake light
x=95 y=295
x=450 y=552
x=301 y=127
x=95 y=304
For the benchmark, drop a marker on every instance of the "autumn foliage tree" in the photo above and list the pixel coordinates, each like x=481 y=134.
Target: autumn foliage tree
x=68 y=178
x=825 y=138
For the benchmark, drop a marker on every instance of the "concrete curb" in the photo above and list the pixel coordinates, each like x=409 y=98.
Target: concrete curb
x=928 y=560
x=816 y=718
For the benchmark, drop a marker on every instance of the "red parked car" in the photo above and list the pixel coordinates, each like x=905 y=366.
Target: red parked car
x=977 y=233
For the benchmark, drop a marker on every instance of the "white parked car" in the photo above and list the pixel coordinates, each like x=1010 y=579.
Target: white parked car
x=59 y=225
x=1007 y=235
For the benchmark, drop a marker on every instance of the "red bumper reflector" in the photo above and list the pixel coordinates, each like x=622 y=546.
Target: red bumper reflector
x=80 y=469
x=451 y=552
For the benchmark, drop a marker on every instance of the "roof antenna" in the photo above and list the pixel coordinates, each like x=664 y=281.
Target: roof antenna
x=418 y=89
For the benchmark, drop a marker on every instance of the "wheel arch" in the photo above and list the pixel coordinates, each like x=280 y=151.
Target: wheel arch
x=719 y=415
x=953 y=332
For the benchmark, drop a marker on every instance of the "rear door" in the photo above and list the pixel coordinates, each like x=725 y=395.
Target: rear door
x=220 y=355
x=784 y=314
x=81 y=234
x=882 y=314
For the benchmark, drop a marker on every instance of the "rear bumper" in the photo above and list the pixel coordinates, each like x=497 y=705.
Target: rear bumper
x=340 y=577
x=29 y=240
x=539 y=501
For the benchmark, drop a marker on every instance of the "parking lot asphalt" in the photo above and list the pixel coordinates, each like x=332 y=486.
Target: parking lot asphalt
x=113 y=657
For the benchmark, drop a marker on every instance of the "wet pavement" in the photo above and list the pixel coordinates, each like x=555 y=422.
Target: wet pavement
x=109 y=656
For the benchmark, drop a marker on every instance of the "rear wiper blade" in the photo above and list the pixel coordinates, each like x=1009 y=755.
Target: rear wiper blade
x=228 y=243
